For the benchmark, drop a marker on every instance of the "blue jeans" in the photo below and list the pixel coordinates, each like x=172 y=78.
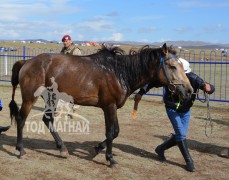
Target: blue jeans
x=180 y=122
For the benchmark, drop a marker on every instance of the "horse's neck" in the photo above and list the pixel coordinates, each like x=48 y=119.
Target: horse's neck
x=145 y=79
x=142 y=77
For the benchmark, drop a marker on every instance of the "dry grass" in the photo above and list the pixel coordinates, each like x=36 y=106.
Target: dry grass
x=133 y=149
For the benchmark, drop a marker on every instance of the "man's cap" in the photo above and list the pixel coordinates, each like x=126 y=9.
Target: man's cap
x=186 y=65
x=66 y=37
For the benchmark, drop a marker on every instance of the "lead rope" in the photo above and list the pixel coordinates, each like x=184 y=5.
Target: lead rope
x=209 y=119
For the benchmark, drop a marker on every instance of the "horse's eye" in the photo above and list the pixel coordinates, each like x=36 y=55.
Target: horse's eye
x=172 y=67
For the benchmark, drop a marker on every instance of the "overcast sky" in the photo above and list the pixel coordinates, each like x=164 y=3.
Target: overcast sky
x=120 y=20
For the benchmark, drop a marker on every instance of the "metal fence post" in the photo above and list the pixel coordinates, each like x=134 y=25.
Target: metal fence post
x=24 y=52
x=5 y=64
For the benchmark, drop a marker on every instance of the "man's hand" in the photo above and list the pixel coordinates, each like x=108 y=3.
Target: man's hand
x=208 y=88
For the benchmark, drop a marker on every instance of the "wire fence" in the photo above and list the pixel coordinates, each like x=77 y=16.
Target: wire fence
x=209 y=65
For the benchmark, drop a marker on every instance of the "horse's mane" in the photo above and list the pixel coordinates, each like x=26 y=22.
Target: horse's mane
x=128 y=66
x=111 y=50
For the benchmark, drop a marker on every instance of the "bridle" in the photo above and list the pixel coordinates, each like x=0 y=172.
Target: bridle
x=171 y=85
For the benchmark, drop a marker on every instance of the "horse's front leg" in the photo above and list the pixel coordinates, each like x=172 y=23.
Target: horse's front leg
x=112 y=130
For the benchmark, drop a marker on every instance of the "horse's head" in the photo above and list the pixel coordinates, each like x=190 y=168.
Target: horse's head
x=171 y=73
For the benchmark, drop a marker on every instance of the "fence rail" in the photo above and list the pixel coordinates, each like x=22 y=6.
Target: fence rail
x=211 y=66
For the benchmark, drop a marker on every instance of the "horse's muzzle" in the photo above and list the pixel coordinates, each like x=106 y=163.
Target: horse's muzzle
x=184 y=92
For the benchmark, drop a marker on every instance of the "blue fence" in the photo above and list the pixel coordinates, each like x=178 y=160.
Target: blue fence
x=212 y=66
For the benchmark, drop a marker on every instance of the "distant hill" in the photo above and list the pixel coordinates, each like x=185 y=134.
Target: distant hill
x=183 y=44
x=196 y=44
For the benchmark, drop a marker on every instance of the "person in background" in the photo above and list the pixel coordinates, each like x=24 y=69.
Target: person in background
x=69 y=47
x=179 y=113
x=3 y=128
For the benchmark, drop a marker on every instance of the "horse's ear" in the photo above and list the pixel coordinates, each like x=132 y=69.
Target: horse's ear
x=164 y=48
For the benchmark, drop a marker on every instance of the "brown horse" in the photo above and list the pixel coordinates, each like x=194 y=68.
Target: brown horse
x=104 y=79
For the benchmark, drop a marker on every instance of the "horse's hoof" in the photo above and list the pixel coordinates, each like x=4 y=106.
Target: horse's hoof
x=22 y=157
x=93 y=152
x=64 y=154
x=22 y=154
x=114 y=164
x=224 y=153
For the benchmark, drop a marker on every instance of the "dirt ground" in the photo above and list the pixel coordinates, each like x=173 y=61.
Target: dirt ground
x=133 y=148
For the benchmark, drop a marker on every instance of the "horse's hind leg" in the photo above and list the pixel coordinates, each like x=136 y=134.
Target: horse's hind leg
x=23 y=114
x=59 y=143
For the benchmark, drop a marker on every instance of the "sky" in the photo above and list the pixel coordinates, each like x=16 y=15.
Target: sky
x=117 y=20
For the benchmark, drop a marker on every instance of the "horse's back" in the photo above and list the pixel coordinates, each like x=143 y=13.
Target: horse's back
x=78 y=76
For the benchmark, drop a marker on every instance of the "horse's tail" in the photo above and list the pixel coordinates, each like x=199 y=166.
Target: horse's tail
x=14 y=110
x=15 y=72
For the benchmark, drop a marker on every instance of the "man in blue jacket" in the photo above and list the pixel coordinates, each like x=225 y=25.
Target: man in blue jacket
x=178 y=112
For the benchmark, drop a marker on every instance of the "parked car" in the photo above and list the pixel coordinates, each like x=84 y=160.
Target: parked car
x=6 y=49
x=12 y=49
x=2 y=49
